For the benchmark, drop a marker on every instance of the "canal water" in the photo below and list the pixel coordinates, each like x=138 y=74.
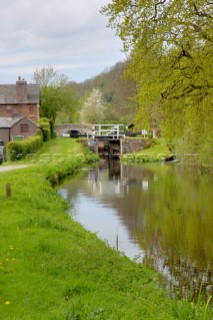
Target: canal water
x=160 y=215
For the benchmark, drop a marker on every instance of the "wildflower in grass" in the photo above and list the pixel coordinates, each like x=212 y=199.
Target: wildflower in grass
x=11 y=247
x=7 y=302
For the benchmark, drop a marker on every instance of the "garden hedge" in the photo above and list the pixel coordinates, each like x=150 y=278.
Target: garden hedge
x=16 y=150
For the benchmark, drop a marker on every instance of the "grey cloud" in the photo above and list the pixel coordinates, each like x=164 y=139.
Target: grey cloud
x=56 y=32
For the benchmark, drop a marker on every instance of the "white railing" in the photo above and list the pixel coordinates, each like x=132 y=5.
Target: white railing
x=113 y=130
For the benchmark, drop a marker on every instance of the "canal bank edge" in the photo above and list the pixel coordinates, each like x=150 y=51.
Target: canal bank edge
x=153 y=151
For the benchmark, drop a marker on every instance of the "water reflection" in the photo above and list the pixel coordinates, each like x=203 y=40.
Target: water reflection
x=162 y=213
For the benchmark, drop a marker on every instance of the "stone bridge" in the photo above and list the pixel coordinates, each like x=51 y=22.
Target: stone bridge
x=66 y=128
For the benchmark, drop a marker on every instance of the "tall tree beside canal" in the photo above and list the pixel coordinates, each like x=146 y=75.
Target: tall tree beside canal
x=93 y=108
x=55 y=94
x=170 y=45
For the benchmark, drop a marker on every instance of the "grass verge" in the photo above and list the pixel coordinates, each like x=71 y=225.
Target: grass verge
x=158 y=152
x=52 y=268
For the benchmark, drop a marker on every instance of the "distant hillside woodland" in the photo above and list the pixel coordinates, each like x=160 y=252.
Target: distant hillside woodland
x=165 y=84
x=107 y=97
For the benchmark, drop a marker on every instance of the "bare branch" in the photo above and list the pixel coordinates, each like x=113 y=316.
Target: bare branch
x=199 y=30
x=201 y=14
x=187 y=91
x=156 y=8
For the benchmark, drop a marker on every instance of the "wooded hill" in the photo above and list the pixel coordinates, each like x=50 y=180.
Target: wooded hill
x=109 y=92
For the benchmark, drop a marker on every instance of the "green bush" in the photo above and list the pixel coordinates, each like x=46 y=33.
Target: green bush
x=61 y=169
x=11 y=151
x=16 y=150
x=44 y=125
x=150 y=142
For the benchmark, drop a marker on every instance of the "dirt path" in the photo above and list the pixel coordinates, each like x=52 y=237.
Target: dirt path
x=13 y=167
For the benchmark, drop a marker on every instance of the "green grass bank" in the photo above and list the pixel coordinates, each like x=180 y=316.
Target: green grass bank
x=52 y=268
x=156 y=152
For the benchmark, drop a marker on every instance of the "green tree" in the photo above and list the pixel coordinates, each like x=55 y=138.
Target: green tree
x=55 y=94
x=117 y=93
x=170 y=45
x=49 y=77
x=93 y=108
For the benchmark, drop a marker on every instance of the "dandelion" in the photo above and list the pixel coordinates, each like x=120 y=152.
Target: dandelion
x=7 y=302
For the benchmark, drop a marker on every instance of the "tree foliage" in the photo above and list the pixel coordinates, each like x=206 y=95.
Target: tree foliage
x=170 y=46
x=55 y=94
x=117 y=93
x=49 y=77
x=93 y=108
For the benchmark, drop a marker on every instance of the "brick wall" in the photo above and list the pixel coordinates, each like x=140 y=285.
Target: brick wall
x=131 y=145
x=30 y=111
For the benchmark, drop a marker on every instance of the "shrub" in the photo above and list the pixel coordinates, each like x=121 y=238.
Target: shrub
x=60 y=169
x=44 y=125
x=150 y=142
x=11 y=151
x=16 y=150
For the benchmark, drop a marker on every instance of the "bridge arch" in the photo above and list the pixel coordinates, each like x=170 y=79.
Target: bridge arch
x=62 y=129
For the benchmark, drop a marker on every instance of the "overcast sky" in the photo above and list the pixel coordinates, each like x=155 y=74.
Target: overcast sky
x=69 y=35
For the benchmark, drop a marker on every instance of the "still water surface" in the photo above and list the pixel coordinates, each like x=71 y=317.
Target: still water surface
x=161 y=215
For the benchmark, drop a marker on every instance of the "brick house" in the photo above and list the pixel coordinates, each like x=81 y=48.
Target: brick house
x=16 y=128
x=19 y=109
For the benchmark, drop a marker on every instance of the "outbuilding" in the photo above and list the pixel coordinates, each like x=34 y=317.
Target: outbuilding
x=16 y=128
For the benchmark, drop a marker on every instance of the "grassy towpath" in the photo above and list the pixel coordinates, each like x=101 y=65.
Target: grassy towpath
x=13 y=167
x=51 y=268
x=158 y=152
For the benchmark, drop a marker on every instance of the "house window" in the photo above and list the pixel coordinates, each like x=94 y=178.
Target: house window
x=24 y=127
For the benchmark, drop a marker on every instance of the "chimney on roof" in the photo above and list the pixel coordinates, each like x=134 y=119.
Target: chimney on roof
x=21 y=90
